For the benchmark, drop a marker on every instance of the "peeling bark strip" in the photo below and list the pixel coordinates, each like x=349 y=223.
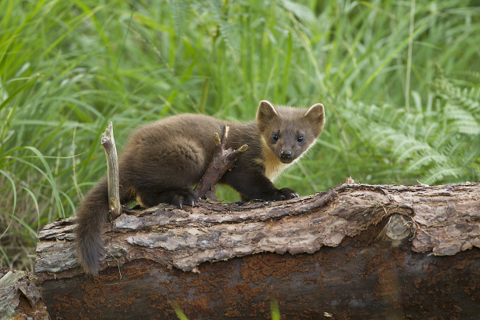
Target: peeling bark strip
x=108 y=142
x=444 y=220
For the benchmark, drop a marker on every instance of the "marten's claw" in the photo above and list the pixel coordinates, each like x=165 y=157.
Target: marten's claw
x=177 y=200
x=282 y=194
x=179 y=197
x=288 y=193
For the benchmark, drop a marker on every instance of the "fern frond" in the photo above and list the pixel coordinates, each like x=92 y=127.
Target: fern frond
x=455 y=148
x=464 y=121
x=467 y=98
x=409 y=153
x=396 y=117
x=425 y=161
x=471 y=154
x=180 y=14
x=439 y=173
x=227 y=31
x=437 y=143
x=472 y=76
x=378 y=135
x=429 y=131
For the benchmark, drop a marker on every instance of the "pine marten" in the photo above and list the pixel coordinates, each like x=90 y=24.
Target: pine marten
x=162 y=160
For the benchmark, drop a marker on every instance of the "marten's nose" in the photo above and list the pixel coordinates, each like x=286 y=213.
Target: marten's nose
x=286 y=154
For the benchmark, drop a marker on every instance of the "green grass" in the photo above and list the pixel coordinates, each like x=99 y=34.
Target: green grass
x=67 y=68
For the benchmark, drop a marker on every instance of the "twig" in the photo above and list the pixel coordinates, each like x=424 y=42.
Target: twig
x=108 y=142
x=222 y=161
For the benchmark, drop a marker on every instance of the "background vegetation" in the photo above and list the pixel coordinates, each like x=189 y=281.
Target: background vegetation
x=400 y=81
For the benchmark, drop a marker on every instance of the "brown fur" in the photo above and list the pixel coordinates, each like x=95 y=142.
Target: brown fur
x=162 y=160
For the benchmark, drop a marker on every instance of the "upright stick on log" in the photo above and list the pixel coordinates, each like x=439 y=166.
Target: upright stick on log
x=108 y=142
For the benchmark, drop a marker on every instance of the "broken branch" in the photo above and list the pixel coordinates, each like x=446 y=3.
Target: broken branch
x=222 y=161
x=108 y=142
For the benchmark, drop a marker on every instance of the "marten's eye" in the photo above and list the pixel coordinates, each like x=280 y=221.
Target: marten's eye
x=300 y=139
x=275 y=137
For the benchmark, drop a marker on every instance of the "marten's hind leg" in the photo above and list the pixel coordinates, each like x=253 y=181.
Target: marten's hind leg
x=165 y=171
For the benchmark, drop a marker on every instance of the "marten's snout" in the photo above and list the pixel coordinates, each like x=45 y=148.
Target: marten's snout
x=286 y=156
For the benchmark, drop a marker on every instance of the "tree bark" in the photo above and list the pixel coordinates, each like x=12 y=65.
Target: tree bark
x=389 y=251
x=19 y=296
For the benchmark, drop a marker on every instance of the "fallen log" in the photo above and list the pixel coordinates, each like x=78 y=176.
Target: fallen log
x=353 y=252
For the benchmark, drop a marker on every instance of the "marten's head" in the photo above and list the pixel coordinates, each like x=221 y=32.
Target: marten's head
x=289 y=132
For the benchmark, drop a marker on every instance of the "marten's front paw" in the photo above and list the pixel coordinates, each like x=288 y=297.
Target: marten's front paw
x=288 y=193
x=284 y=194
x=180 y=197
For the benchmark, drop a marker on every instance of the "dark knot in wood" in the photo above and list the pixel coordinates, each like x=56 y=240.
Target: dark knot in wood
x=398 y=227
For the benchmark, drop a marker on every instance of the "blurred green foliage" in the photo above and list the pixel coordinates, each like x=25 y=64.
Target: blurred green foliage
x=400 y=81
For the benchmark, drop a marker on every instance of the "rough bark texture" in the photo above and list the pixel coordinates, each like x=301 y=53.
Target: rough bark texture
x=108 y=142
x=19 y=297
x=398 y=254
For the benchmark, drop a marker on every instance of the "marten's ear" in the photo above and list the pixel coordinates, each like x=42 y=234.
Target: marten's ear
x=265 y=114
x=316 y=116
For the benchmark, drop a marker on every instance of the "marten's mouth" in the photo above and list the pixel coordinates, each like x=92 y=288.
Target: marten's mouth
x=285 y=160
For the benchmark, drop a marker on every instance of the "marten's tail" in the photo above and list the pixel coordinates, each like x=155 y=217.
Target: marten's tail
x=92 y=215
